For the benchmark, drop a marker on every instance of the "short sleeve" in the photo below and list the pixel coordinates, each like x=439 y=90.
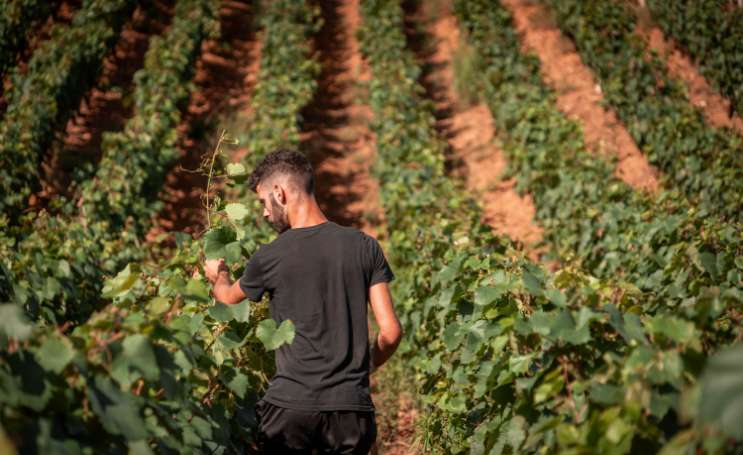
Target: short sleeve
x=252 y=282
x=380 y=269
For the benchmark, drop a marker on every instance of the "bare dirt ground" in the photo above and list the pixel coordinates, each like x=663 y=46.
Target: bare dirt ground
x=335 y=133
x=105 y=107
x=341 y=146
x=396 y=416
x=701 y=94
x=225 y=77
x=469 y=129
x=578 y=93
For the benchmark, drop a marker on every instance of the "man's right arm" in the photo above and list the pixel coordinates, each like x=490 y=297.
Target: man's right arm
x=390 y=331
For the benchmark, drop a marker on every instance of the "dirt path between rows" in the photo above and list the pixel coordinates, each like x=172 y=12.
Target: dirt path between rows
x=714 y=106
x=225 y=76
x=579 y=94
x=335 y=131
x=469 y=130
x=337 y=138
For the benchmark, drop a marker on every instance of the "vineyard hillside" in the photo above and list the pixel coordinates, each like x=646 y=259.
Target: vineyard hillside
x=556 y=184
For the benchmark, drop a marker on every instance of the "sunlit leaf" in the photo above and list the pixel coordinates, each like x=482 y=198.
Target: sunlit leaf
x=236 y=169
x=13 y=322
x=236 y=211
x=122 y=282
x=272 y=336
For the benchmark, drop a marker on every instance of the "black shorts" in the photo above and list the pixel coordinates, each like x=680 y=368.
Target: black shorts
x=292 y=431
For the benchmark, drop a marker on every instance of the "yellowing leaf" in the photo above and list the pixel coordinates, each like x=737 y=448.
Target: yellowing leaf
x=236 y=170
x=122 y=282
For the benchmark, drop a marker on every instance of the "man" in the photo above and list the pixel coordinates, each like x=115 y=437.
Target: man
x=320 y=276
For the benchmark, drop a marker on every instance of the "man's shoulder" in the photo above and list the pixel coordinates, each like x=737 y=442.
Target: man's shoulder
x=357 y=235
x=334 y=228
x=350 y=230
x=331 y=229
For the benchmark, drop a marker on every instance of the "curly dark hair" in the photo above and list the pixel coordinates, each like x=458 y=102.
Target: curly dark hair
x=285 y=161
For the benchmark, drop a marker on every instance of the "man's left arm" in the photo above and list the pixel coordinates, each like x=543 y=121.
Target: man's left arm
x=225 y=290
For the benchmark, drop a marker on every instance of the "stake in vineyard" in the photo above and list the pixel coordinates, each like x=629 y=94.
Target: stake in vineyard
x=119 y=334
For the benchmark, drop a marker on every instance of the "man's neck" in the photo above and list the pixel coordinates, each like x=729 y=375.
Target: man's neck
x=306 y=215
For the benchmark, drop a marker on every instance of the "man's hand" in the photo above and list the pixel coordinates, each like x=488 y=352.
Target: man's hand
x=225 y=291
x=212 y=269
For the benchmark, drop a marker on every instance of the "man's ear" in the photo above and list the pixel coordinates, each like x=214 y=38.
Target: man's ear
x=280 y=194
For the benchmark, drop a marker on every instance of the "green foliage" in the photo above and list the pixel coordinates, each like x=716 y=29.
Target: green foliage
x=13 y=322
x=161 y=368
x=60 y=71
x=272 y=336
x=158 y=368
x=679 y=258
x=217 y=242
x=236 y=211
x=704 y=162
x=508 y=357
x=711 y=31
x=135 y=160
x=721 y=399
x=16 y=19
x=590 y=216
x=286 y=80
x=57 y=268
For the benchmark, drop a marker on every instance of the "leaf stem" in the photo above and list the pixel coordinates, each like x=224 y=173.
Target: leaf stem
x=209 y=177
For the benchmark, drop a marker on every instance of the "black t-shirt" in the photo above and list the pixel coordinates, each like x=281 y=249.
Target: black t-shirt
x=319 y=278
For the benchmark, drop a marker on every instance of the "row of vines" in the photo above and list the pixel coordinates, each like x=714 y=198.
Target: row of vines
x=711 y=31
x=705 y=163
x=43 y=96
x=160 y=368
x=508 y=356
x=16 y=20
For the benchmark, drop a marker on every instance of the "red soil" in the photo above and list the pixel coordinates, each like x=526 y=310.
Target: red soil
x=336 y=133
x=396 y=417
x=578 y=94
x=338 y=140
x=470 y=130
x=714 y=106
x=225 y=77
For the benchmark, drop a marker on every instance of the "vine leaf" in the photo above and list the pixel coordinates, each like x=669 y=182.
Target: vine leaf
x=236 y=170
x=122 y=282
x=216 y=240
x=241 y=311
x=119 y=411
x=236 y=381
x=273 y=337
x=721 y=401
x=220 y=312
x=236 y=211
x=55 y=354
x=13 y=322
x=140 y=355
